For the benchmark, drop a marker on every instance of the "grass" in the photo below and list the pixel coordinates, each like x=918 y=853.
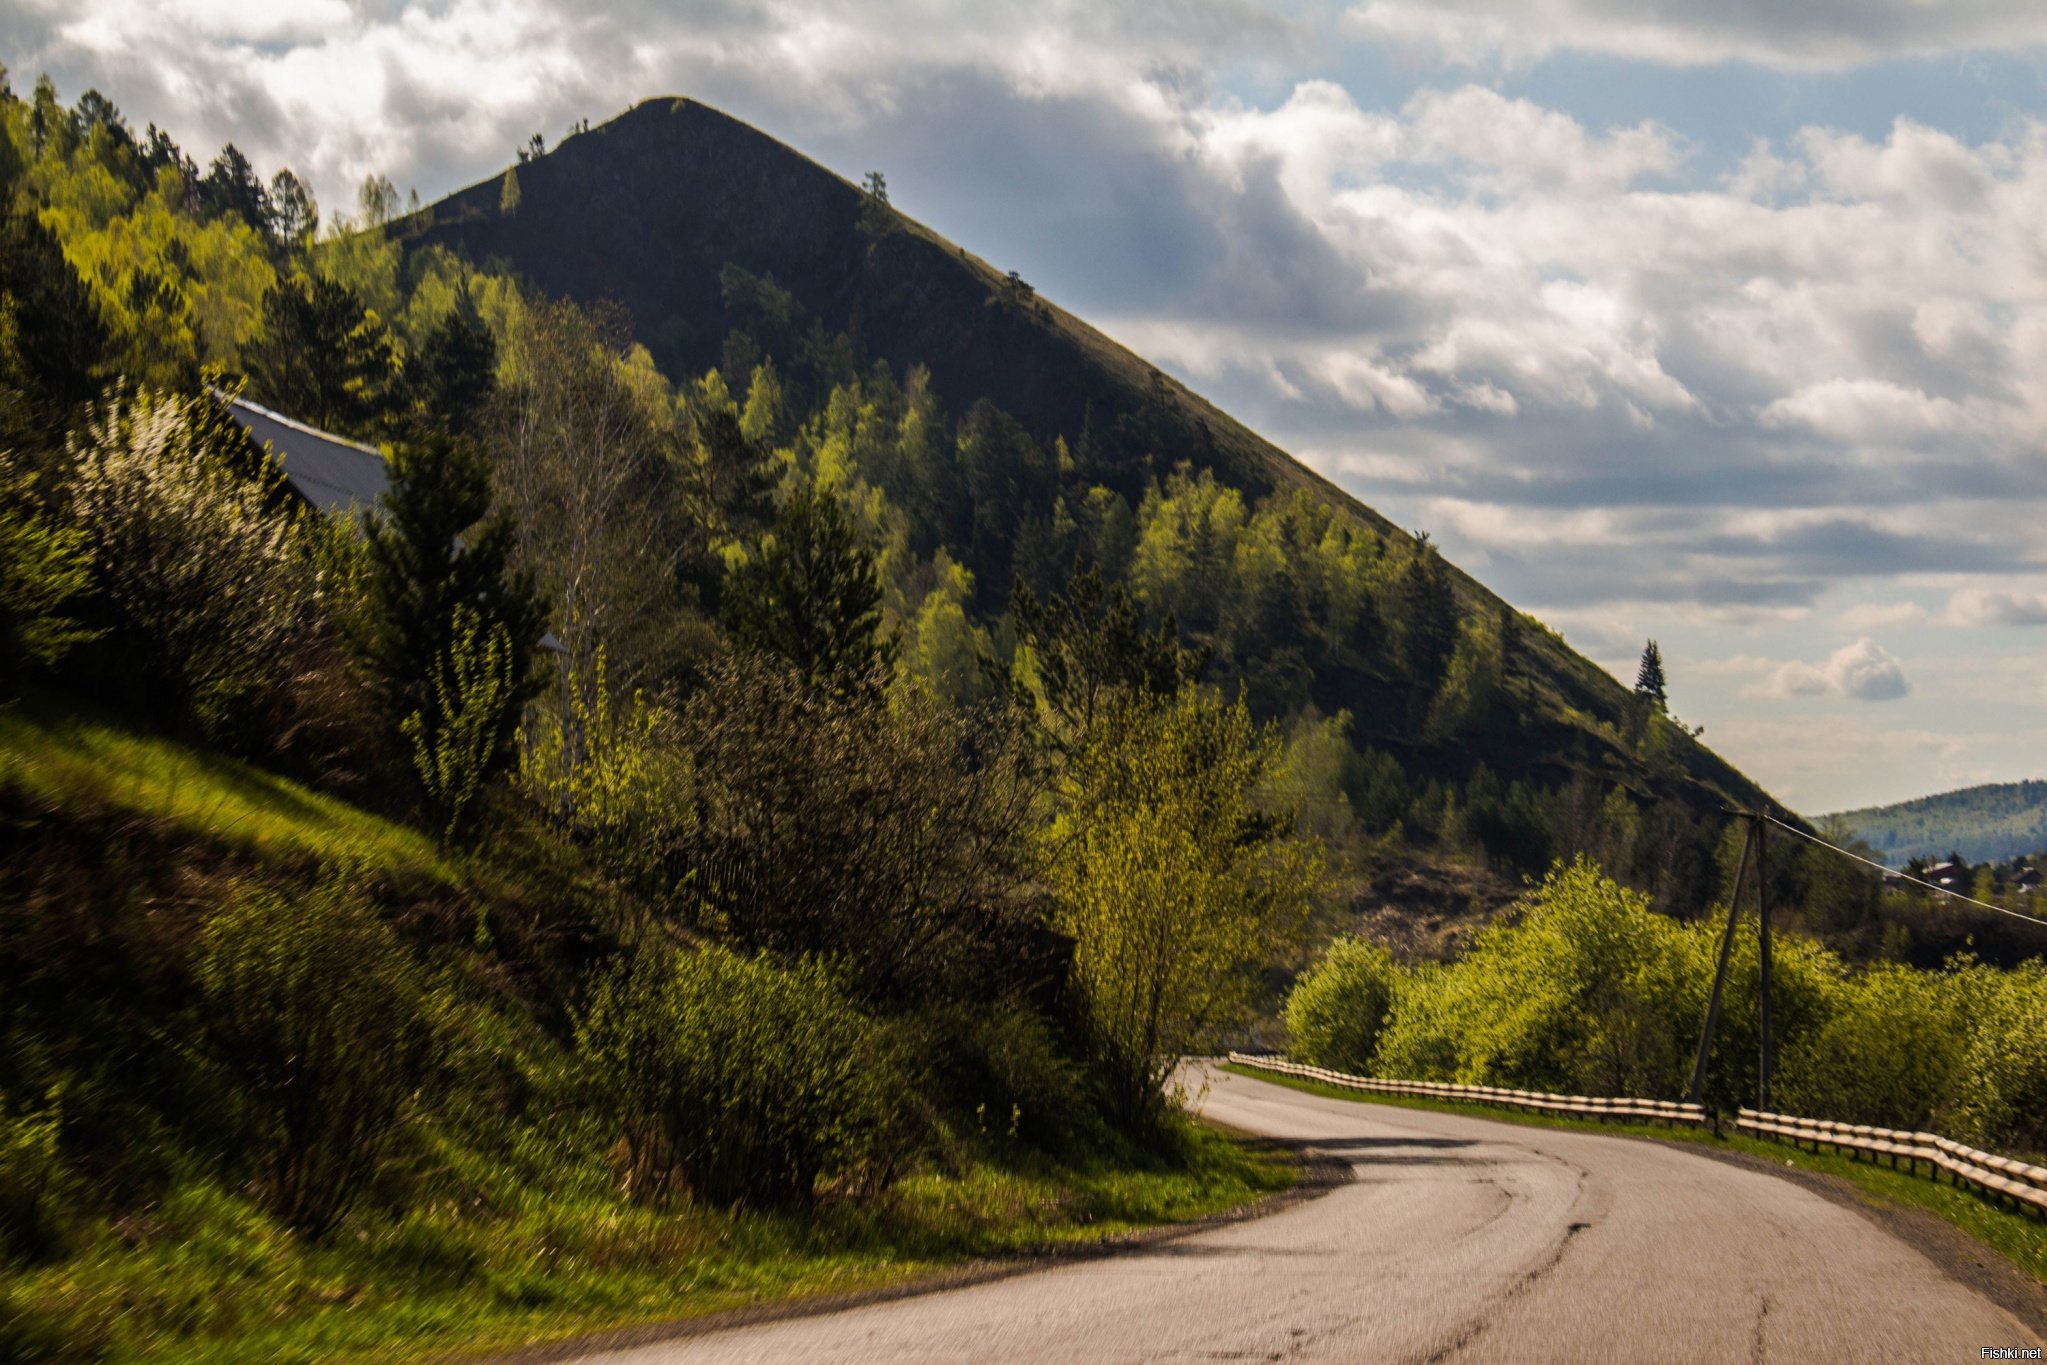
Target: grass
x=73 y=760
x=2021 y=1237
x=207 y=1278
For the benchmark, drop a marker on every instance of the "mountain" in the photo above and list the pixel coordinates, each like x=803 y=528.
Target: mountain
x=650 y=210
x=1990 y=823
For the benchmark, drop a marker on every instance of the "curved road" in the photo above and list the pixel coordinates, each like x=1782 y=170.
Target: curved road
x=1459 y=1240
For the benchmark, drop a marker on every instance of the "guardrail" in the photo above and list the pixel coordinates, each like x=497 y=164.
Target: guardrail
x=1532 y=1101
x=2015 y=1180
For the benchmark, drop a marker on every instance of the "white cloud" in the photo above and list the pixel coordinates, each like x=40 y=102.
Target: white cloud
x=1810 y=34
x=1989 y=607
x=1861 y=671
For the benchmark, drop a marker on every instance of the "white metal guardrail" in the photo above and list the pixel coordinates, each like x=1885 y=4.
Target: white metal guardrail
x=1533 y=1101
x=1965 y=1165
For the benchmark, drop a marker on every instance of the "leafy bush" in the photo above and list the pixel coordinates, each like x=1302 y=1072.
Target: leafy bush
x=314 y=1009
x=43 y=568
x=198 y=557
x=29 y=1176
x=2003 y=1084
x=1339 y=1008
x=456 y=735
x=1889 y=1051
x=739 y=1079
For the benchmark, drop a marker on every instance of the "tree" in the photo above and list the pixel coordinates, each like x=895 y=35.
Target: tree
x=1649 y=677
x=434 y=555
x=508 y=193
x=582 y=461
x=455 y=368
x=811 y=596
x=894 y=839
x=1175 y=887
x=1428 y=620
x=325 y=357
x=294 y=214
x=232 y=187
x=1089 y=645
x=876 y=217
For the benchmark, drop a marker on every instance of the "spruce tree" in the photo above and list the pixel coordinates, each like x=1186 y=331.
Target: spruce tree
x=439 y=563
x=324 y=357
x=455 y=369
x=1649 y=677
x=811 y=596
x=1428 y=621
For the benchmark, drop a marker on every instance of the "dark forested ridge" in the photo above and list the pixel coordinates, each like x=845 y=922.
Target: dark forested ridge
x=1989 y=823
x=652 y=210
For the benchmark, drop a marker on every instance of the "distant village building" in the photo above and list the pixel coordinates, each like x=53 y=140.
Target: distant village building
x=1951 y=875
x=329 y=473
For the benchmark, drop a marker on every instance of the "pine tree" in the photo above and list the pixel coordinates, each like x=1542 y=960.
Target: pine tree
x=325 y=358
x=1649 y=677
x=438 y=567
x=455 y=369
x=1428 y=624
x=811 y=596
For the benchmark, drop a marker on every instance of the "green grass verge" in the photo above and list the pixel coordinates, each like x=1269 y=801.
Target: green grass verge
x=207 y=1278
x=2021 y=1237
x=72 y=760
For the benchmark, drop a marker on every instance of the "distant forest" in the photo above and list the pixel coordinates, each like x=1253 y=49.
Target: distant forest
x=1990 y=823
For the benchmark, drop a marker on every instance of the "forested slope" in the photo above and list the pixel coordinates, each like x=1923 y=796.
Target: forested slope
x=654 y=208
x=1984 y=824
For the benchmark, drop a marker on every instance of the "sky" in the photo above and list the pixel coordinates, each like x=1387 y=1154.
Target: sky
x=1717 y=323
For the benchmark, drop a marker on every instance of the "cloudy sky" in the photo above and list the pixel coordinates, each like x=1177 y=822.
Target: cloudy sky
x=1714 y=322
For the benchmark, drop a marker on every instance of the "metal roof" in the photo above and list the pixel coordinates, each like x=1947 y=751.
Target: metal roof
x=333 y=474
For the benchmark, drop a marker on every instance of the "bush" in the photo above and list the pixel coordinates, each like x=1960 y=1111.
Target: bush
x=322 y=1020
x=1338 y=1009
x=739 y=1079
x=43 y=568
x=1888 y=1053
x=29 y=1176
x=2004 y=1071
x=198 y=558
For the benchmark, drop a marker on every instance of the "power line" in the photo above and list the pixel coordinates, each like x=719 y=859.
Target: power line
x=1889 y=872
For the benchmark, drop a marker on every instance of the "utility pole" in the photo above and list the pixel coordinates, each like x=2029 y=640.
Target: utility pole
x=1763 y=916
x=1696 y=1094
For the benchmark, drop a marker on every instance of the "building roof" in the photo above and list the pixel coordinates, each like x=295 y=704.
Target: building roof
x=333 y=474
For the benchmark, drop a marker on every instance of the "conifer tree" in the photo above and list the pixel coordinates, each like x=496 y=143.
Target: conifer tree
x=1649 y=677
x=1428 y=608
x=325 y=357
x=439 y=568
x=811 y=596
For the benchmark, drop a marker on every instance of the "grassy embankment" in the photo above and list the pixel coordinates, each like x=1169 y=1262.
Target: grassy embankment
x=498 y=1219
x=2020 y=1236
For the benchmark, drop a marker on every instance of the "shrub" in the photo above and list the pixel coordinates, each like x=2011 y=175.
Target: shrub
x=43 y=568
x=2004 y=1071
x=456 y=735
x=739 y=1079
x=314 y=1009
x=197 y=557
x=1338 y=1009
x=29 y=1176
x=1888 y=1053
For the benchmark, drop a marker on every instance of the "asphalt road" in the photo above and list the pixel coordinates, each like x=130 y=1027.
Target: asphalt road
x=1459 y=1240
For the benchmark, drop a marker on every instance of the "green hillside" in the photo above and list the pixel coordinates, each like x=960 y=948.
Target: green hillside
x=1990 y=823
x=725 y=247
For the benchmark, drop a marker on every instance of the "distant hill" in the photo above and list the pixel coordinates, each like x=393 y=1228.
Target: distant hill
x=649 y=209
x=1990 y=823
